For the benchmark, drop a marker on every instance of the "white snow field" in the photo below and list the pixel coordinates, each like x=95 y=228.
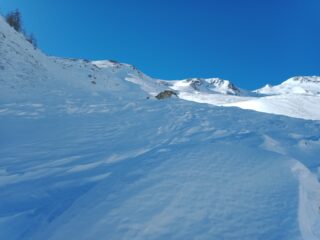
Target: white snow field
x=87 y=152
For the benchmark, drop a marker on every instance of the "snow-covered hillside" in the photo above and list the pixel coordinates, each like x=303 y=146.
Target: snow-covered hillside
x=87 y=152
x=295 y=85
x=27 y=73
x=297 y=97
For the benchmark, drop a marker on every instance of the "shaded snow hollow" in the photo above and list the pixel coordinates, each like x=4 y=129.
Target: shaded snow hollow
x=85 y=155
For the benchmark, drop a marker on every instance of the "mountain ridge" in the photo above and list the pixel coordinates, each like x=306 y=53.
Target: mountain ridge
x=33 y=74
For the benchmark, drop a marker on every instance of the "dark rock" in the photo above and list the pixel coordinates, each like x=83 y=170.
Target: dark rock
x=166 y=94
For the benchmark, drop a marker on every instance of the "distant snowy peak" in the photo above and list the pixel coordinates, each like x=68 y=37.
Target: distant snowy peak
x=208 y=85
x=308 y=85
x=304 y=79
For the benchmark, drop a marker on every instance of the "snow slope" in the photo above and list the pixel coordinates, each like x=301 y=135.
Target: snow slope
x=293 y=105
x=156 y=170
x=297 y=97
x=27 y=73
x=85 y=155
x=297 y=85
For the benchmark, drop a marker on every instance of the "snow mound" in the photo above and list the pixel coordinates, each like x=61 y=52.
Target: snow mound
x=309 y=202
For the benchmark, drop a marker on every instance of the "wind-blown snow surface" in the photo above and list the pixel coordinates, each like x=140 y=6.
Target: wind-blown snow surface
x=85 y=155
x=157 y=170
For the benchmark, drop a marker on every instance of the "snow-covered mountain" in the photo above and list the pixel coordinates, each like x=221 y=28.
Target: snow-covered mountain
x=211 y=85
x=27 y=73
x=296 y=85
x=296 y=97
x=87 y=152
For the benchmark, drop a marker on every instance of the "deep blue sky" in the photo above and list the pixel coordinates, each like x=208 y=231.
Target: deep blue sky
x=250 y=42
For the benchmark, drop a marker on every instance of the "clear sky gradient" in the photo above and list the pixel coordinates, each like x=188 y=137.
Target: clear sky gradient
x=250 y=42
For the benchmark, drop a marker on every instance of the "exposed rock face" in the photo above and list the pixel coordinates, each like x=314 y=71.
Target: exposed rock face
x=166 y=94
x=213 y=84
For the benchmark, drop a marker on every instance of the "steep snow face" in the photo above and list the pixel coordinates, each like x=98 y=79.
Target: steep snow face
x=28 y=73
x=21 y=66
